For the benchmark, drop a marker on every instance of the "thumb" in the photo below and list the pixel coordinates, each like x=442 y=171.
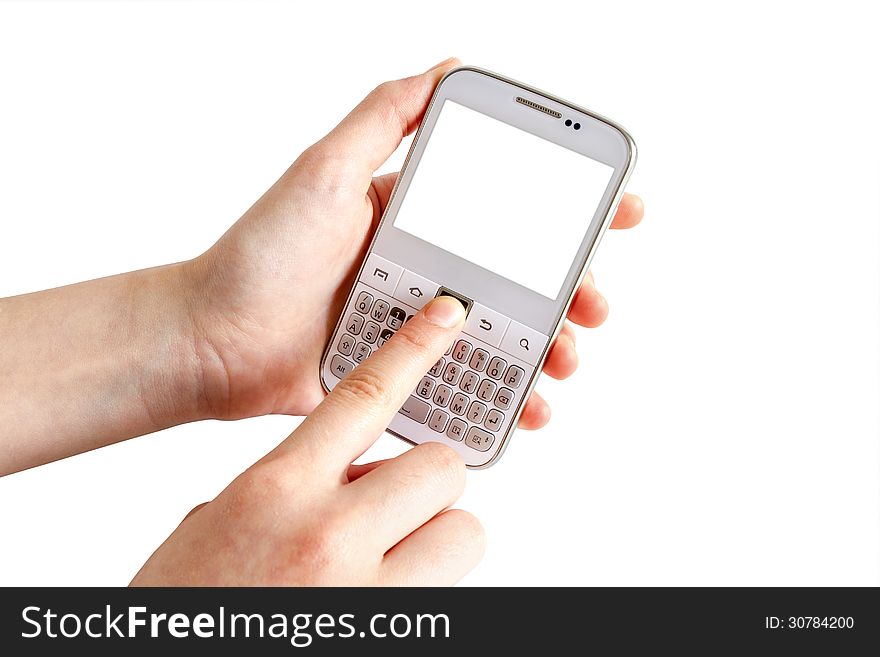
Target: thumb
x=369 y=134
x=361 y=406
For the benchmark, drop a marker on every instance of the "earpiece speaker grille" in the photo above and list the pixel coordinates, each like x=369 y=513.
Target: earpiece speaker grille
x=540 y=108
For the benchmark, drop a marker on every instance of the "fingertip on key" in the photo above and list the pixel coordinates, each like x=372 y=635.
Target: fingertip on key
x=445 y=312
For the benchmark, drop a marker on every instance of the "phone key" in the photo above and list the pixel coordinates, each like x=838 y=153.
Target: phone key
x=426 y=387
x=486 y=390
x=479 y=360
x=438 y=420
x=514 y=376
x=469 y=382
x=396 y=318
x=478 y=439
x=437 y=367
x=371 y=332
x=380 y=310
x=415 y=409
x=361 y=353
x=504 y=398
x=381 y=274
x=415 y=290
x=524 y=343
x=364 y=301
x=462 y=351
x=442 y=395
x=494 y=419
x=355 y=323
x=496 y=367
x=452 y=373
x=458 y=403
x=345 y=345
x=486 y=324
x=476 y=412
x=456 y=429
x=449 y=351
x=384 y=337
x=339 y=367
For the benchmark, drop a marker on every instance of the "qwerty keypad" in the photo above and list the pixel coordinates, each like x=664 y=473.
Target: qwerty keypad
x=469 y=394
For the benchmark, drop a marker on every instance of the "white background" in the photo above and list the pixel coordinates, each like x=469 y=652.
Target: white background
x=723 y=428
x=529 y=201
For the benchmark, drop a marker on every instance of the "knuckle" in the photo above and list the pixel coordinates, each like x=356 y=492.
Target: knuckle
x=313 y=158
x=319 y=162
x=446 y=465
x=319 y=545
x=385 y=99
x=385 y=92
x=365 y=386
x=325 y=170
x=383 y=89
x=320 y=549
x=257 y=487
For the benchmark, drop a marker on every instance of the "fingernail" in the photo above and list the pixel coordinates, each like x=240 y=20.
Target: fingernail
x=436 y=66
x=445 y=312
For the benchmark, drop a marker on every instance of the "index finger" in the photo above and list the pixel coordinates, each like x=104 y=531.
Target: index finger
x=362 y=404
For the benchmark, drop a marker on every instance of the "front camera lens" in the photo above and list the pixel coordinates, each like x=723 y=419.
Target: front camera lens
x=567 y=123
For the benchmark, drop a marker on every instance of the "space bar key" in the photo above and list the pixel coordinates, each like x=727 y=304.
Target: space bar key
x=415 y=409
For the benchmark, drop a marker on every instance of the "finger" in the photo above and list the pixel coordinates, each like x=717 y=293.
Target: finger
x=370 y=133
x=382 y=187
x=355 y=472
x=352 y=417
x=439 y=553
x=406 y=492
x=536 y=413
x=629 y=212
x=562 y=360
x=588 y=308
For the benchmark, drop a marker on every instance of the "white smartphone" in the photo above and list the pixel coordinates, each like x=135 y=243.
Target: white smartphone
x=503 y=198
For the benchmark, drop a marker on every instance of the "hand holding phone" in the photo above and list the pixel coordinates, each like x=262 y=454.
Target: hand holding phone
x=501 y=203
x=266 y=298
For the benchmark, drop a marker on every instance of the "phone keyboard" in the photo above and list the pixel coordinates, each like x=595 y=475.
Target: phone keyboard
x=471 y=394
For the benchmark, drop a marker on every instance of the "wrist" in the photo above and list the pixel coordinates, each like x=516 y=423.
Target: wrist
x=212 y=343
x=251 y=355
x=172 y=384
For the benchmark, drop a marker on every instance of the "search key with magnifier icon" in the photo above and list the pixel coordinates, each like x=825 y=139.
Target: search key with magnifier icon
x=523 y=342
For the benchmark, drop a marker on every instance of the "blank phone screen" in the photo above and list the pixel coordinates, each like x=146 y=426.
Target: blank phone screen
x=503 y=198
